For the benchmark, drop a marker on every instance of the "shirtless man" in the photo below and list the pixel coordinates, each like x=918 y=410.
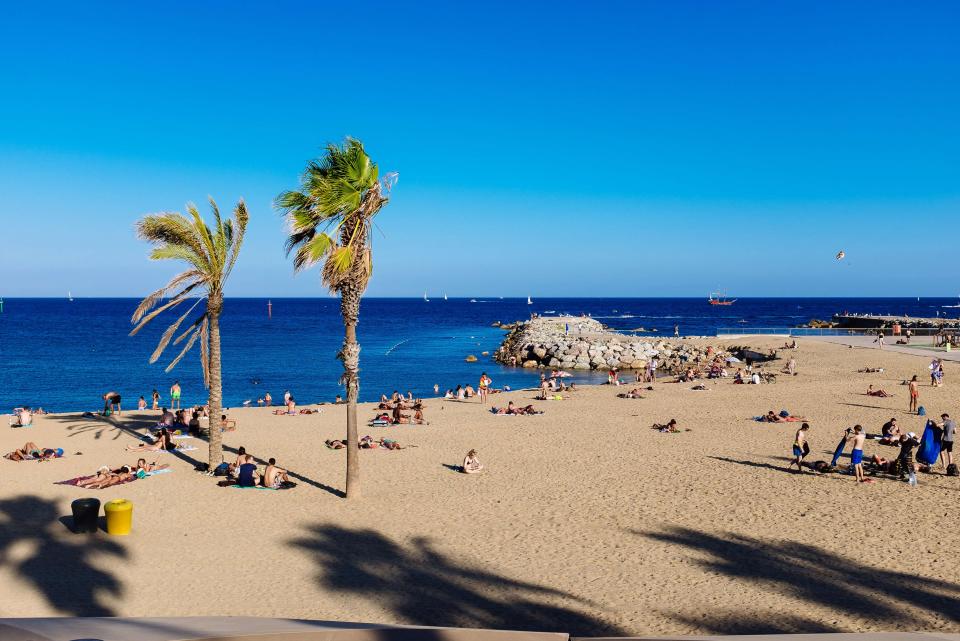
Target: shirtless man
x=914 y=395
x=800 y=447
x=274 y=476
x=175 y=392
x=856 y=456
x=111 y=400
x=399 y=418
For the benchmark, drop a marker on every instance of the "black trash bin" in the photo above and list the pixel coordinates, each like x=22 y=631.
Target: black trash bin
x=86 y=514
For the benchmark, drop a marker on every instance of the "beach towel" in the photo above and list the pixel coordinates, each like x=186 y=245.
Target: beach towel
x=285 y=486
x=929 y=451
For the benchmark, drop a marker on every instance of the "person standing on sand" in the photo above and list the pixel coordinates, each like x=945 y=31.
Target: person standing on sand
x=267 y=399
x=946 y=441
x=142 y=404
x=856 y=456
x=800 y=447
x=879 y=339
x=484 y=386
x=914 y=395
x=652 y=369
x=156 y=400
x=676 y=331
x=111 y=401
x=175 y=392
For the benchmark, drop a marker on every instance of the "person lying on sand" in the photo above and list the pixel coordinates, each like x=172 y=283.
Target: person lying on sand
x=33 y=452
x=513 y=410
x=390 y=444
x=634 y=393
x=782 y=417
x=368 y=443
x=163 y=442
x=878 y=392
x=870 y=370
x=147 y=468
x=671 y=427
x=471 y=464
x=335 y=444
x=105 y=477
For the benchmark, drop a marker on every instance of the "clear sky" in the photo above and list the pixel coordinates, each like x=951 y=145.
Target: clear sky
x=555 y=148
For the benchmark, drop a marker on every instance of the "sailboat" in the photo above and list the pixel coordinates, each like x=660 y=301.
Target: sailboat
x=529 y=302
x=425 y=299
x=951 y=306
x=717 y=298
x=70 y=297
x=444 y=297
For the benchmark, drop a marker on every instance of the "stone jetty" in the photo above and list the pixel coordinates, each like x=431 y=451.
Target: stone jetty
x=575 y=342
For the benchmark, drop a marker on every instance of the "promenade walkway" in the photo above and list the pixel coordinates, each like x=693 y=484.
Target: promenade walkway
x=917 y=347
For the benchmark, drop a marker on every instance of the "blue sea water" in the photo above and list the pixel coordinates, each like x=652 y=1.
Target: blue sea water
x=63 y=355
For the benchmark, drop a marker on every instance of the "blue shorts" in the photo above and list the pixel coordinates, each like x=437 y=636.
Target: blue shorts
x=797 y=450
x=856 y=457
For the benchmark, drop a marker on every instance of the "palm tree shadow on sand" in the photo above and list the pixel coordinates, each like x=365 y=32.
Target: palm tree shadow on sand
x=422 y=586
x=847 y=589
x=58 y=564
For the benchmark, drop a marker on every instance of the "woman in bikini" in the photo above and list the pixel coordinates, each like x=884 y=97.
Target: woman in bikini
x=163 y=442
x=471 y=464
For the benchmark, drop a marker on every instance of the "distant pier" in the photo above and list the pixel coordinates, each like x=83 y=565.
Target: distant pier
x=863 y=321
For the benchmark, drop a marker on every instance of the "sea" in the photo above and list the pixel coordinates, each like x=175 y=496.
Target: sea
x=63 y=354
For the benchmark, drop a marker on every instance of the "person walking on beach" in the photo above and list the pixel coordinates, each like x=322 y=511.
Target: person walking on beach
x=652 y=369
x=676 y=331
x=914 y=395
x=856 y=456
x=484 y=386
x=156 y=399
x=946 y=441
x=879 y=339
x=800 y=447
x=175 y=395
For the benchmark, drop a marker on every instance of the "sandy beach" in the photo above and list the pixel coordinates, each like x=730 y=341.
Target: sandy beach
x=585 y=520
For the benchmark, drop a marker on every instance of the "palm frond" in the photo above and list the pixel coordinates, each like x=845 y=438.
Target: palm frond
x=186 y=348
x=168 y=334
x=173 y=302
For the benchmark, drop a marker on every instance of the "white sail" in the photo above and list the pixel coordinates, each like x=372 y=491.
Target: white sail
x=529 y=302
x=425 y=299
x=70 y=296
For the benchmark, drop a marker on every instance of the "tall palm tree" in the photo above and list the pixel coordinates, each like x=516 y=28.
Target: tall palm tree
x=330 y=220
x=210 y=255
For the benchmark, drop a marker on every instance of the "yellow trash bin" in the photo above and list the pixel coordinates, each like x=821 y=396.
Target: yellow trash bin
x=119 y=516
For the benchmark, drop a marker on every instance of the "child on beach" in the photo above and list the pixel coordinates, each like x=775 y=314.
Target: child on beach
x=800 y=447
x=914 y=395
x=856 y=456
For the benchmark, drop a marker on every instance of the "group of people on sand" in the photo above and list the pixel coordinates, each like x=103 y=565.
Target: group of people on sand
x=366 y=443
x=902 y=465
x=391 y=411
x=514 y=410
x=783 y=417
x=23 y=416
x=33 y=452
x=107 y=477
x=244 y=473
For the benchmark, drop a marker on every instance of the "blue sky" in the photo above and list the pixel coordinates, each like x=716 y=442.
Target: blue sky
x=561 y=148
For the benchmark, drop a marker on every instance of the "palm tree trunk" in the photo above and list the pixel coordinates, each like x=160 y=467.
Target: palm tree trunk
x=215 y=456
x=350 y=355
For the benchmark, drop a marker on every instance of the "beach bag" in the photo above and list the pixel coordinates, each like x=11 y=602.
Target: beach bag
x=952 y=470
x=222 y=469
x=921 y=411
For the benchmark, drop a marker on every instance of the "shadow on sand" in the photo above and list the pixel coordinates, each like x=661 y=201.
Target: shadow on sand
x=812 y=575
x=57 y=563
x=422 y=586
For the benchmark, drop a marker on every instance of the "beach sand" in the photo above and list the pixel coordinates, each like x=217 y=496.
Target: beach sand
x=585 y=520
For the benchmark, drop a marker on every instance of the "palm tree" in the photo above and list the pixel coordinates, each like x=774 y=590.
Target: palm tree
x=331 y=219
x=210 y=255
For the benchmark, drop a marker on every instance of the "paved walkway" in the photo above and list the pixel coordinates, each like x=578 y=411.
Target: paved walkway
x=916 y=347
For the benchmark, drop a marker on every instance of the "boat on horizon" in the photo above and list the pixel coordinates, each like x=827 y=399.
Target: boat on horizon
x=425 y=299
x=529 y=302
x=70 y=296
x=718 y=298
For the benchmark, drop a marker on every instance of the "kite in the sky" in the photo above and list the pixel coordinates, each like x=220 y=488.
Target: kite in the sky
x=840 y=255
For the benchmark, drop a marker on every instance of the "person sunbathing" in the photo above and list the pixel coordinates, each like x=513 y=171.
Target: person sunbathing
x=471 y=464
x=397 y=418
x=163 y=442
x=634 y=393
x=878 y=392
x=418 y=414
x=227 y=424
x=147 y=468
x=390 y=444
x=291 y=408
x=671 y=427
x=771 y=417
x=273 y=476
x=105 y=477
x=367 y=443
x=870 y=370
x=33 y=452
x=335 y=444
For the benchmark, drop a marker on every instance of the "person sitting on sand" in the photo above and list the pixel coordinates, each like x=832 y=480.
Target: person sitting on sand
x=755 y=378
x=671 y=427
x=247 y=473
x=418 y=414
x=890 y=432
x=291 y=408
x=398 y=418
x=33 y=452
x=738 y=377
x=471 y=464
x=469 y=392
x=142 y=404
x=163 y=442
x=22 y=417
x=274 y=476
x=235 y=466
x=878 y=392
